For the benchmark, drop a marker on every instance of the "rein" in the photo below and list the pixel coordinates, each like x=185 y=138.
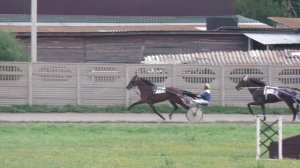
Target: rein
x=134 y=89
x=253 y=87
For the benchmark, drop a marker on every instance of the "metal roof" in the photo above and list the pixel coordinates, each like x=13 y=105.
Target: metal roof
x=253 y=57
x=269 y=39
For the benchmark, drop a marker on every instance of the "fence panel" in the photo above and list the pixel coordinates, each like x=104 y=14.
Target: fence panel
x=14 y=81
x=54 y=83
x=102 y=84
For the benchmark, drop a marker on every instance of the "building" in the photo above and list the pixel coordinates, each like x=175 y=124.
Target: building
x=122 y=7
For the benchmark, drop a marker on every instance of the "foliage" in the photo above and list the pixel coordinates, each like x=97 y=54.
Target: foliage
x=262 y=9
x=259 y=9
x=11 y=49
x=292 y=7
x=134 y=146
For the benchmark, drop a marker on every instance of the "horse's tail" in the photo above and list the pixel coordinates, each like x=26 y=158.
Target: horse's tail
x=188 y=93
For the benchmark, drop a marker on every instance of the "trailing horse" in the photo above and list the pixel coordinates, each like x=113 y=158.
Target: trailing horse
x=256 y=88
x=173 y=95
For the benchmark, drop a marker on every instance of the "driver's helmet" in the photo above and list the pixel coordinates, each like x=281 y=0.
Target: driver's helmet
x=207 y=85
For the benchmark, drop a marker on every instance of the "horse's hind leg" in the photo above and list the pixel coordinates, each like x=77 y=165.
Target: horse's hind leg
x=297 y=109
x=175 y=108
x=291 y=106
x=154 y=110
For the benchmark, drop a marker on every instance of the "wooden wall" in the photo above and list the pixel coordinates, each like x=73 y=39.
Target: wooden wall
x=130 y=48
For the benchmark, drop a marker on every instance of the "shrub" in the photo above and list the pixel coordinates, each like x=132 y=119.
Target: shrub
x=11 y=49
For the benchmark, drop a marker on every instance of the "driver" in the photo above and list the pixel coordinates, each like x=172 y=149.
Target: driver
x=204 y=97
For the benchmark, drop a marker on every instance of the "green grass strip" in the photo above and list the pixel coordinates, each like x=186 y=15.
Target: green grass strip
x=136 y=109
x=134 y=146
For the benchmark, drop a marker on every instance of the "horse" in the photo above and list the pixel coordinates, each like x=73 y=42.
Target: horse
x=256 y=88
x=147 y=96
x=290 y=96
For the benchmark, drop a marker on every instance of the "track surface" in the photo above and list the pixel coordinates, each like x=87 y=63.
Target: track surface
x=129 y=118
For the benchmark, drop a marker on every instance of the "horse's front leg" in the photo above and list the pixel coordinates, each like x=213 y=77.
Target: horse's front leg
x=253 y=103
x=154 y=110
x=249 y=107
x=138 y=102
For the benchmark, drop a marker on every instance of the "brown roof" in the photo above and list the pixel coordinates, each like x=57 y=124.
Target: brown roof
x=289 y=22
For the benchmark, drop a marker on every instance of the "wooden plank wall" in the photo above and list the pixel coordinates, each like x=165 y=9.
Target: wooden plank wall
x=129 y=48
x=105 y=84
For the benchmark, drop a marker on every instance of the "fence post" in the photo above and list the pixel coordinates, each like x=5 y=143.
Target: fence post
x=30 y=84
x=258 y=138
x=173 y=76
x=270 y=75
x=126 y=82
x=280 y=138
x=222 y=86
x=78 y=76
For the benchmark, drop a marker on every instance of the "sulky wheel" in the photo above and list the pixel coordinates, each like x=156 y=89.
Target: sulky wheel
x=194 y=114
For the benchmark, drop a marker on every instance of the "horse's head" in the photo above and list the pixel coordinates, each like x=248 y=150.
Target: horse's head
x=132 y=82
x=250 y=82
x=243 y=83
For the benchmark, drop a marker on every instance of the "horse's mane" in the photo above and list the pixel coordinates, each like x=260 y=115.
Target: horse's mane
x=258 y=81
x=147 y=81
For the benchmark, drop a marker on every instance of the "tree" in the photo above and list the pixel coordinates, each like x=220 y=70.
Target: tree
x=11 y=49
x=292 y=7
x=259 y=9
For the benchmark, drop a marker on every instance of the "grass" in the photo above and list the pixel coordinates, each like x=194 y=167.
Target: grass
x=136 y=109
x=133 y=146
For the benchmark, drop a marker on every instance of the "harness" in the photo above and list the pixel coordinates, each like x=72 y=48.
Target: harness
x=159 y=89
x=276 y=90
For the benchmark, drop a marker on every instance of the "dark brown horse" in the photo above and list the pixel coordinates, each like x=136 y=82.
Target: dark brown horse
x=147 y=96
x=256 y=88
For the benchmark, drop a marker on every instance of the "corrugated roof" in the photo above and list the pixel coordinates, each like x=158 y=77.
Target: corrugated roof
x=254 y=57
x=289 y=22
x=5 y=18
x=269 y=39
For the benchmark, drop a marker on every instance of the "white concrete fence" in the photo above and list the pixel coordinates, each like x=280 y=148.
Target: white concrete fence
x=105 y=84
